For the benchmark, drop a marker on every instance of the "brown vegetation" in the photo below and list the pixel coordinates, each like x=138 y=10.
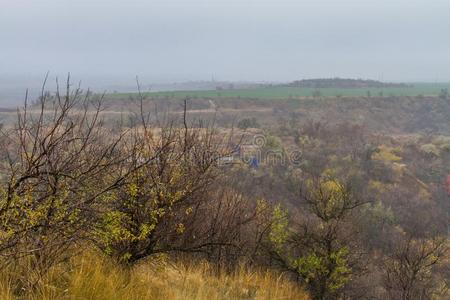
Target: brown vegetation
x=342 y=210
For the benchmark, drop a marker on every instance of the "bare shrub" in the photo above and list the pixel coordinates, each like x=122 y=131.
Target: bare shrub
x=410 y=270
x=57 y=164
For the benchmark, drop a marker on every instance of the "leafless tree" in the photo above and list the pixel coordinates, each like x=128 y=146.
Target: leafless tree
x=59 y=163
x=410 y=269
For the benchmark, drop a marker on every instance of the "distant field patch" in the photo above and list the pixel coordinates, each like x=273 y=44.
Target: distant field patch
x=424 y=89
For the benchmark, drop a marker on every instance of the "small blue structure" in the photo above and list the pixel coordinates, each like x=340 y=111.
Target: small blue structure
x=254 y=163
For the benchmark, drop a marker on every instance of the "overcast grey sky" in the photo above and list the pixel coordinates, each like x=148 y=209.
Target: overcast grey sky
x=273 y=40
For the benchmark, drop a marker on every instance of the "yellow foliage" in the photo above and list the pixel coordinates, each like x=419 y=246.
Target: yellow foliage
x=331 y=187
x=376 y=185
x=189 y=210
x=398 y=169
x=329 y=172
x=443 y=142
x=424 y=194
x=133 y=190
x=430 y=149
x=180 y=228
x=387 y=154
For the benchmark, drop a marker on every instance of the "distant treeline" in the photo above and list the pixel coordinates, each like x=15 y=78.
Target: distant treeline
x=344 y=83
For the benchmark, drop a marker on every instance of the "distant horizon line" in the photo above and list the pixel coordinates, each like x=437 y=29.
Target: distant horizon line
x=165 y=80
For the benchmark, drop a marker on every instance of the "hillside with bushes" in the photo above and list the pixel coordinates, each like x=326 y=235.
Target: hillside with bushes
x=324 y=198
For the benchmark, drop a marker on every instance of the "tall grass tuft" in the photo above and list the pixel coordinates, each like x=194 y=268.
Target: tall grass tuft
x=92 y=276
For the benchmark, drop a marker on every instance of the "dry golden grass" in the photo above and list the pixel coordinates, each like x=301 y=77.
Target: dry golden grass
x=93 y=277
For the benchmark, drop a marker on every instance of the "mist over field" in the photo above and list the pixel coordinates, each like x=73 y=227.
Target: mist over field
x=268 y=40
x=225 y=149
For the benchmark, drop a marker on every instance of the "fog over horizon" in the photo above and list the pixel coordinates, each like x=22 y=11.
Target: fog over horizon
x=249 y=40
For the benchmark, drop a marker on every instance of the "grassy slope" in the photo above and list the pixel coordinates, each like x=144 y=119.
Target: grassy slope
x=91 y=276
x=430 y=89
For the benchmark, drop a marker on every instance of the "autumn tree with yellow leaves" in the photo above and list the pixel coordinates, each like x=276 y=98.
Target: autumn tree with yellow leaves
x=319 y=250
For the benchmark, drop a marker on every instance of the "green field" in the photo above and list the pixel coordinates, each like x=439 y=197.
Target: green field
x=424 y=89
